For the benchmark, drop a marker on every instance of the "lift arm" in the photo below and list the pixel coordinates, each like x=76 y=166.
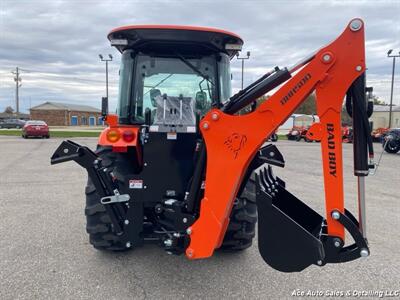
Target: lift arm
x=232 y=141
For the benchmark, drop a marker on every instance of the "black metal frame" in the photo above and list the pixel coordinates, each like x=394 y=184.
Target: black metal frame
x=127 y=217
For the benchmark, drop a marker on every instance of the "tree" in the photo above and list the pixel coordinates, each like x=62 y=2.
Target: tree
x=346 y=119
x=249 y=107
x=308 y=107
x=377 y=101
x=9 y=110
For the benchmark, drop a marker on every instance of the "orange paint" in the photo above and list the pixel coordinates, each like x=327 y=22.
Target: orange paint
x=174 y=27
x=233 y=140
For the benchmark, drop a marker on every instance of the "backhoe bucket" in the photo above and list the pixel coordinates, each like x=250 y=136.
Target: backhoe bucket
x=292 y=236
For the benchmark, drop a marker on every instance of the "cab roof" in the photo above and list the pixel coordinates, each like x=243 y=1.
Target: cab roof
x=169 y=38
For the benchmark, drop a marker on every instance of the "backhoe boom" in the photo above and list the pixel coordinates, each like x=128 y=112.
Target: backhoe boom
x=233 y=140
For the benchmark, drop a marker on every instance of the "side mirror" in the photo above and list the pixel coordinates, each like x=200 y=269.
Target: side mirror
x=104 y=106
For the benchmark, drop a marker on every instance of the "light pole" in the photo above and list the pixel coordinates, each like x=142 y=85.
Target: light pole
x=106 y=60
x=18 y=84
x=389 y=54
x=243 y=58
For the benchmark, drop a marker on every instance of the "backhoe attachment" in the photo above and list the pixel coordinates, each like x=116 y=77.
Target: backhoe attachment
x=292 y=236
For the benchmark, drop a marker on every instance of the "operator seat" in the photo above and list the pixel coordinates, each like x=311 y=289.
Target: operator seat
x=153 y=94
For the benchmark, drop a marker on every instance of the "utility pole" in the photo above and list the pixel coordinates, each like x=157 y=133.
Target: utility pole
x=106 y=60
x=18 y=84
x=242 y=59
x=391 y=92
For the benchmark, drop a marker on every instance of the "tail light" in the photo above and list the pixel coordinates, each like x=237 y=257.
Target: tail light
x=128 y=136
x=113 y=135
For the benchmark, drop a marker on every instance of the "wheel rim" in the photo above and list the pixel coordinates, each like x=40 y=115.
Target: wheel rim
x=392 y=146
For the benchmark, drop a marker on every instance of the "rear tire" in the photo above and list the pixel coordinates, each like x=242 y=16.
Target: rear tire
x=242 y=226
x=306 y=139
x=392 y=147
x=98 y=223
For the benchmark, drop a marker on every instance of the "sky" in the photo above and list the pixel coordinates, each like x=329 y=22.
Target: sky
x=56 y=43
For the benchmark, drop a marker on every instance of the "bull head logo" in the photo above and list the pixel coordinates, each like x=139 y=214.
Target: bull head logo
x=235 y=142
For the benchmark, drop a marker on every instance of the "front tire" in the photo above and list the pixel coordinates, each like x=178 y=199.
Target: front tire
x=242 y=226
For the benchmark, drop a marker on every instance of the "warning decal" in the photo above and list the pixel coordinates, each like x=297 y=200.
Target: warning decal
x=135 y=184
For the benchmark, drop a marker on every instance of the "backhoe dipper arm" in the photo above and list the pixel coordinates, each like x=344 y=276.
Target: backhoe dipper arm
x=233 y=140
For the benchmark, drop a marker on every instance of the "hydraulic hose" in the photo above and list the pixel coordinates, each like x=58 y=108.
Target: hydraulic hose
x=356 y=107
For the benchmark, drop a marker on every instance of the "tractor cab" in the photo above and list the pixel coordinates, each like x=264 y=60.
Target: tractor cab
x=170 y=76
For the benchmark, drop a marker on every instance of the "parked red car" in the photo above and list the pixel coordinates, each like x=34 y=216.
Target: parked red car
x=347 y=134
x=379 y=134
x=35 y=128
x=297 y=133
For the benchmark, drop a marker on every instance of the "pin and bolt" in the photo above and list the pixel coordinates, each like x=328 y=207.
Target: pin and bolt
x=355 y=25
x=326 y=58
x=335 y=215
x=214 y=116
x=364 y=253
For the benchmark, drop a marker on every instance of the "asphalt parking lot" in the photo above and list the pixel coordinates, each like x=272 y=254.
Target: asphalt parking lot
x=45 y=253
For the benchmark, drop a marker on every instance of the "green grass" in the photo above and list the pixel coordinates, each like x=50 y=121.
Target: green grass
x=62 y=134
x=282 y=137
x=68 y=134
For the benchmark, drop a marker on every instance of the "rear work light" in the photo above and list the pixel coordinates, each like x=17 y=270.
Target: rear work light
x=128 y=136
x=113 y=135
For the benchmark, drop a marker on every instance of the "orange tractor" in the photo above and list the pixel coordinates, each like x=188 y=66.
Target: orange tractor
x=378 y=134
x=178 y=166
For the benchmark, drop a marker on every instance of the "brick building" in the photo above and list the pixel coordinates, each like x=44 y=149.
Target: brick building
x=64 y=114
